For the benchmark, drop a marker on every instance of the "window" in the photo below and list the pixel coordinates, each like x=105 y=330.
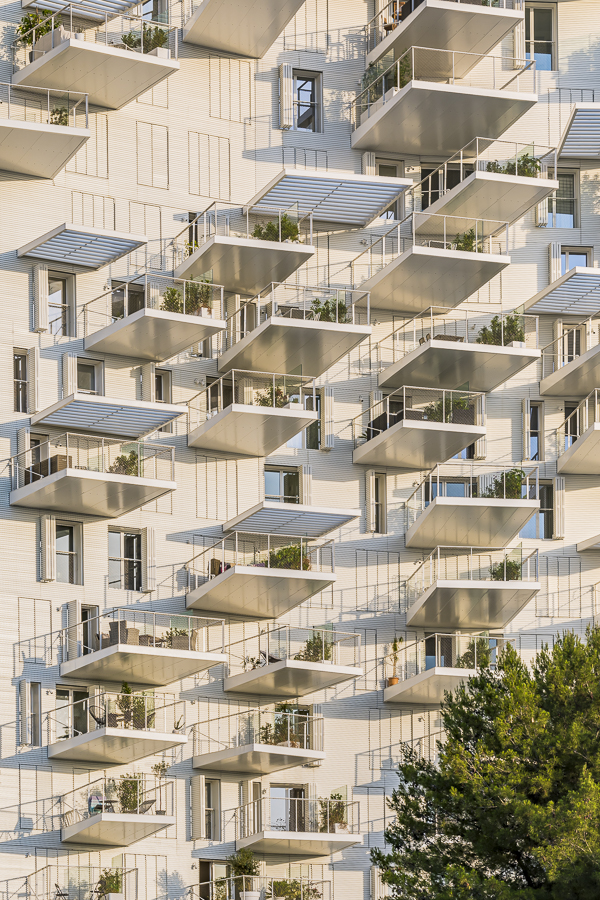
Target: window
x=89 y=377
x=307 y=89
x=91 y=628
x=162 y=386
x=288 y=811
x=536 y=432
x=570 y=425
x=35 y=706
x=282 y=485
x=448 y=489
x=155 y=10
x=570 y=345
x=574 y=256
x=67 y=555
x=58 y=306
x=212 y=790
x=310 y=438
x=20 y=381
x=541 y=525
x=125 y=304
x=388 y=170
x=71 y=713
x=539 y=36
x=124 y=560
x=467 y=453
x=379 y=503
x=562 y=206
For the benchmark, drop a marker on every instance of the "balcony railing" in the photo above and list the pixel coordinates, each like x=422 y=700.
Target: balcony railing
x=43 y=107
x=573 y=342
x=578 y=422
x=131 y=794
x=266 y=888
x=441 y=67
x=312 y=645
x=134 y=711
x=138 y=459
x=73 y=882
x=265 y=389
x=173 y=295
x=445 y=651
x=120 y=32
x=283 y=727
x=290 y=814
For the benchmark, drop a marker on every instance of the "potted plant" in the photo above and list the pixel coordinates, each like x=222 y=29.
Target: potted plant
x=330 y=310
x=129 y=792
x=125 y=464
x=507 y=485
x=282 y=889
x=289 y=558
x=178 y=638
x=154 y=38
x=110 y=884
x=500 y=333
x=245 y=867
x=333 y=814
x=393 y=679
x=316 y=649
x=509 y=570
x=270 y=232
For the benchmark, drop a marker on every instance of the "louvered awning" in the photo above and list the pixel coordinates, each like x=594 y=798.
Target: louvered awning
x=330 y=196
x=91 y=248
x=576 y=293
x=292 y=519
x=95 y=10
x=105 y=415
x=581 y=137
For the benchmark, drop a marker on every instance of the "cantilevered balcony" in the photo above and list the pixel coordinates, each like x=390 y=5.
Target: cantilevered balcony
x=579 y=439
x=575 y=293
x=117 y=811
x=141 y=648
x=472 y=505
x=422 y=671
x=288 y=662
x=242 y=249
x=114 y=59
x=106 y=415
x=40 y=130
x=428 y=260
x=286 y=515
x=258 y=575
x=152 y=317
x=433 y=102
x=416 y=428
x=259 y=741
x=251 y=413
x=287 y=328
x=466 y=590
x=112 y=729
x=476 y=27
x=242 y=30
x=93 y=476
x=463 y=348
x=66 y=877
x=571 y=363
x=281 y=824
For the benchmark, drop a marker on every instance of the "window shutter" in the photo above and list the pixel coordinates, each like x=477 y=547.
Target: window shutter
x=379 y=890
x=312 y=813
x=286 y=97
x=160 y=156
x=40 y=297
x=306 y=485
x=481 y=444
x=526 y=428
x=148 y=559
x=75 y=630
x=149 y=382
x=369 y=166
x=69 y=373
x=153 y=299
x=541 y=213
x=198 y=813
x=144 y=153
x=23 y=713
x=327 y=421
x=33 y=367
x=47 y=548
x=554 y=252
x=23 y=445
x=519 y=46
x=559 y=508
x=370 y=499
x=485 y=482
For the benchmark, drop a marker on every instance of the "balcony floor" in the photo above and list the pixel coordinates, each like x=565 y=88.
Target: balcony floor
x=293 y=345
x=257 y=592
x=239 y=28
x=104 y=415
x=251 y=430
x=470 y=605
x=139 y=665
x=257 y=759
x=90 y=493
x=428 y=276
x=469 y=522
x=153 y=334
x=427 y=687
x=577 y=379
x=411 y=444
x=244 y=265
x=115 y=829
x=429 y=119
x=290 y=678
x=112 y=77
x=582 y=457
x=480 y=367
x=291 y=519
x=114 y=746
x=32 y=148
x=298 y=843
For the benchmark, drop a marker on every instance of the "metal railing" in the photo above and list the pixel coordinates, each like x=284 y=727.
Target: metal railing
x=138 y=459
x=265 y=888
x=440 y=67
x=193 y=297
x=285 y=726
x=264 y=389
x=577 y=423
x=163 y=631
x=290 y=814
x=572 y=343
x=138 y=711
x=43 y=106
x=312 y=645
x=135 y=34
x=77 y=881
x=491 y=481
x=444 y=651
x=131 y=794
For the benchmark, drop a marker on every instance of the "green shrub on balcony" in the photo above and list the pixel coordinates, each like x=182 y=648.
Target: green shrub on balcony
x=477 y=655
x=59 y=116
x=510 y=570
x=287 y=725
x=293 y=890
x=110 y=882
x=152 y=38
x=273 y=397
x=507 y=486
x=316 y=649
x=466 y=241
x=125 y=464
x=454 y=408
x=502 y=334
x=330 y=310
x=332 y=812
x=34 y=20
x=526 y=165
x=289 y=558
x=270 y=232
x=198 y=295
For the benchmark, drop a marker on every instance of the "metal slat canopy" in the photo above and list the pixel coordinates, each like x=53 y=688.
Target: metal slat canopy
x=126 y=418
x=91 y=248
x=95 y=10
x=576 y=293
x=293 y=519
x=581 y=137
x=329 y=196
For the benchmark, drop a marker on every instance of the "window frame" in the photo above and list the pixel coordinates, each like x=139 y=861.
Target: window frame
x=136 y=561
x=304 y=74
x=76 y=553
x=379 y=503
x=212 y=831
x=20 y=392
x=531 y=7
x=537 y=516
x=98 y=366
x=566 y=249
x=282 y=497
x=552 y=200
x=69 y=304
x=539 y=406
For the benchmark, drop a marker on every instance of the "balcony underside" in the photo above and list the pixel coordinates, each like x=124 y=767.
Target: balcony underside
x=114 y=746
x=115 y=829
x=139 y=665
x=470 y=605
x=582 y=457
x=427 y=687
x=257 y=592
x=90 y=493
x=449 y=26
x=238 y=27
x=153 y=334
x=577 y=378
x=479 y=367
x=32 y=148
x=429 y=276
x=293 y=345
x=244 y=265
x=251 y=430
x=257 y=759
x=103 y=415
x=417 y=445
x=290 y=678
x=112 y=77
x=425 y=118
x=470 y=522
x=298 y=843
x=291 y=519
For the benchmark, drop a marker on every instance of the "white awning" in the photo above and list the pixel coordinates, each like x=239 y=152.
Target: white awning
x=91 y=248
x=292 y=519
x=576 y=293
x=105 y=415
x=330 y=196
x=581 y=137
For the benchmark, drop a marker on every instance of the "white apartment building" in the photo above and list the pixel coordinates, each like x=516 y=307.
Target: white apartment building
x=300 y=359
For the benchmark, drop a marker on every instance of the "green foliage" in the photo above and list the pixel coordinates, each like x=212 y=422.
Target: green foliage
x=34 y=20
x=129 y=792
x=332 y=812
x=110 y=882
x=317 y=648
x=452 y=405
x=506 y=486
x=160 y=768
x=526 y=165
x=512 y=809
x=466 y=241
x=153 y=38
x=405 y=70
x=243 y=862
x=506 y=571
x=59 y=116
x=477 y=655
x=175 y=632
x=125 y=464
x=329 y=310
x=289 y=558
x=270 y=232
x=288 y=725
x=295 y=890
x=136 y=709
x=394 y=654
x=265 y=398
x=198 y=294
x=500 y=334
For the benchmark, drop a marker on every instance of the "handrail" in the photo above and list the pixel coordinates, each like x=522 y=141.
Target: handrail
x=586 y=414
x=136 y=711
x=270 y=645
x=261 y=550
x=445 y=651
x=282 y=726
x=59 y=108
x=298 y=815
x=572 y=343
x=505 y=480
x=130 y=794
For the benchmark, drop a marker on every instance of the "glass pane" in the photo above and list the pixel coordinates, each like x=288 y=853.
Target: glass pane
x=118 y=304
x=272 y=484
x=65 y=568
x=291 y=487
x=57 y=292
x=114 y=544
x=86 y=377
x=114 y=573
x=64 y=538
x=388 y=171
x=132 y=546
x=159 y=388
x=456 y=489
x=543 y=57
x=542 y=24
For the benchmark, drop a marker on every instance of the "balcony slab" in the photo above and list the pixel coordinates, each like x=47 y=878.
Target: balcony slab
x=577 y=378
x=582 y=457
x=290 y=678
x=469 y=522
x=298 y=843
x=413 y=444
x=114 y=746
x=115 y=829
x=104 y=415
x=463 y=605
x=257 y=759
x=237 y=27
x=139 y=665
x=427 y=687
x=251 y=430
x=32 y=148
